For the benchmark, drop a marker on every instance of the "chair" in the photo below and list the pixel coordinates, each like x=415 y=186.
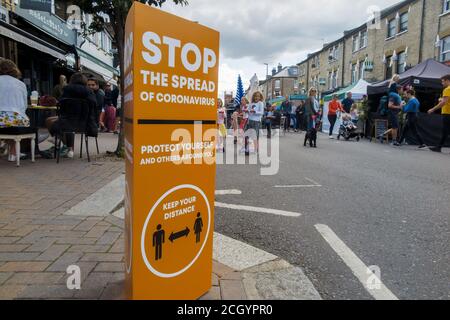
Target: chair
x=75 y=116
x=18 y=136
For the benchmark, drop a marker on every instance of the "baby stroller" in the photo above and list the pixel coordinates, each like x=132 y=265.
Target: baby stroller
x=348 y=130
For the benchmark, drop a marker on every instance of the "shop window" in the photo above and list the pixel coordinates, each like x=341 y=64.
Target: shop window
x=354 y=73
x=445 y=49
x=361 y=70
x=392 y=28
x=404 y=18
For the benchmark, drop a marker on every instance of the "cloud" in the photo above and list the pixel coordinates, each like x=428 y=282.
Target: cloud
x=254 y=32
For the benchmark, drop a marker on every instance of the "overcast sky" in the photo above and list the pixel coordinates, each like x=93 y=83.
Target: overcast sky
x=254 y=32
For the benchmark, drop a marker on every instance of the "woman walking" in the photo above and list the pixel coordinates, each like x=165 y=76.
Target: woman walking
x=311 y=107
x=334 y=107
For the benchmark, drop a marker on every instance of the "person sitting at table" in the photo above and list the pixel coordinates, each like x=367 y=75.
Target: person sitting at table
x=58 y=89
x=13 y=105
x=100 y=101
x=73 y=115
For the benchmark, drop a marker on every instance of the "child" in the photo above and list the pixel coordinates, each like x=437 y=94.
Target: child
x=221 y=118
x=269 y=117
x=354 y=114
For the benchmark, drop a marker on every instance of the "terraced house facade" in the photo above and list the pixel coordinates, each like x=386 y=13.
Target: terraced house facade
x=398 y=38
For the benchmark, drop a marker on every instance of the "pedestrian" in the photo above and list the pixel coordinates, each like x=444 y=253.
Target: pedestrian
x=311 y=108
x=348 y=102
x=58 y=89
x=444 y=104
x=293 y=117
x=268 y=120
x=110 y=109
x=394 y=84
x=286 y=108
x=221 y=120
x=93 y=84
x=256 y=113
x=13 y=105
x=412 y=108
x=300 y=111
x=354 y=114
x=394 y=108
x=334 y=107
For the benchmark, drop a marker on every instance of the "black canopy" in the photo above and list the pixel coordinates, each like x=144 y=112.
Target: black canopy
x=425 y=75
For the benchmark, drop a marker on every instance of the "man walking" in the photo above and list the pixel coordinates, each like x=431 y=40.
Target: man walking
x=412 y=108
x=286 y=108
x=444 y=104
x=348 y=102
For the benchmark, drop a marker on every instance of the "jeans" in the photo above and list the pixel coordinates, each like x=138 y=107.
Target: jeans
x=411 y=124
x=445 y=129
x=293 y=117
x=332 y=119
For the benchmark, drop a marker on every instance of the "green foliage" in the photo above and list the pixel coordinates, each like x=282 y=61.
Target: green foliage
x=117 y=11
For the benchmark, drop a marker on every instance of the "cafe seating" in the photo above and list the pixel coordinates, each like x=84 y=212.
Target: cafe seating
x=17 y=135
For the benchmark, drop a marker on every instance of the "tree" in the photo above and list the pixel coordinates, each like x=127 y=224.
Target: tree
x=117 y=11
x=239 y=92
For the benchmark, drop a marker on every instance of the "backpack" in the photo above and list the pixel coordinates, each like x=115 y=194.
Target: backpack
x=383 y=107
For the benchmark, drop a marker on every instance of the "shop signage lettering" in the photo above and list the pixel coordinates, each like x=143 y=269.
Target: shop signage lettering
x=50 y=24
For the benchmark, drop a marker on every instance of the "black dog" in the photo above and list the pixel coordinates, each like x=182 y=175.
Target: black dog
x=311 y=136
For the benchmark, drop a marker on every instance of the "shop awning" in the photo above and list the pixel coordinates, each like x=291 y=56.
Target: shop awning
x=97 y=67
x=32 y=42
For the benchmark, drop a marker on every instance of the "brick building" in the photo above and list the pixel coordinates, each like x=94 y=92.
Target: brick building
x=283 y=82
x=398 y=38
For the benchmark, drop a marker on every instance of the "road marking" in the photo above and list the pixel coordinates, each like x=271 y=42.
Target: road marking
x=313 y=182
x=257 y=209
x=228 y=192
x=313 y=185
x=298 y=186
x=358 y=268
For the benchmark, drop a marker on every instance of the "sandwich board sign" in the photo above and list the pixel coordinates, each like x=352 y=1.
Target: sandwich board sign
x=171 y=77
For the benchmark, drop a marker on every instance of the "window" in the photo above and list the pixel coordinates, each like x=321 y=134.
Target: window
x=330 y=80
x=361 y=70
x=404 y=22
x=389 y=73
x=336 y=53
x=355 y=43
x=335 y=76
x=277 y=84
x=363 y=39
x=354 y=73
x=445 y=49
x=401 y=62
x=392 y=28
x=446 y=6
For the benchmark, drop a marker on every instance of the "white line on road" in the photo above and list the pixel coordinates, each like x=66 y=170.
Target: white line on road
x=299 y=186
x=313 y=182
x=228 y=192
x=256 y=209
x=359 y=269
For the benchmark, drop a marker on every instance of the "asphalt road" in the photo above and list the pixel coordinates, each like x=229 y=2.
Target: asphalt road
x=390 y=206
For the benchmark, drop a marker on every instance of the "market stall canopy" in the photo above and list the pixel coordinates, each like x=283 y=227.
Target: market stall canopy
x=358 y=90
x=425 y=75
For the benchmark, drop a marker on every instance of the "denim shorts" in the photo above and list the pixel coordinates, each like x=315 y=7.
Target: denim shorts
x=254 y=126
x=393 y=118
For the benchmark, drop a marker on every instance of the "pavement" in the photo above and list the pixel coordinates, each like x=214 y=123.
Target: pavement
x=53 y=216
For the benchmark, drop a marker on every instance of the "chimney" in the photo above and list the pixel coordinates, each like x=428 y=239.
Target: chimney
x=274 y=71
x=280 y=67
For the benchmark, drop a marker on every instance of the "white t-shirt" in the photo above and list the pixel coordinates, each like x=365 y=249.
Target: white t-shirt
x=259 y=111
x=13 y=95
